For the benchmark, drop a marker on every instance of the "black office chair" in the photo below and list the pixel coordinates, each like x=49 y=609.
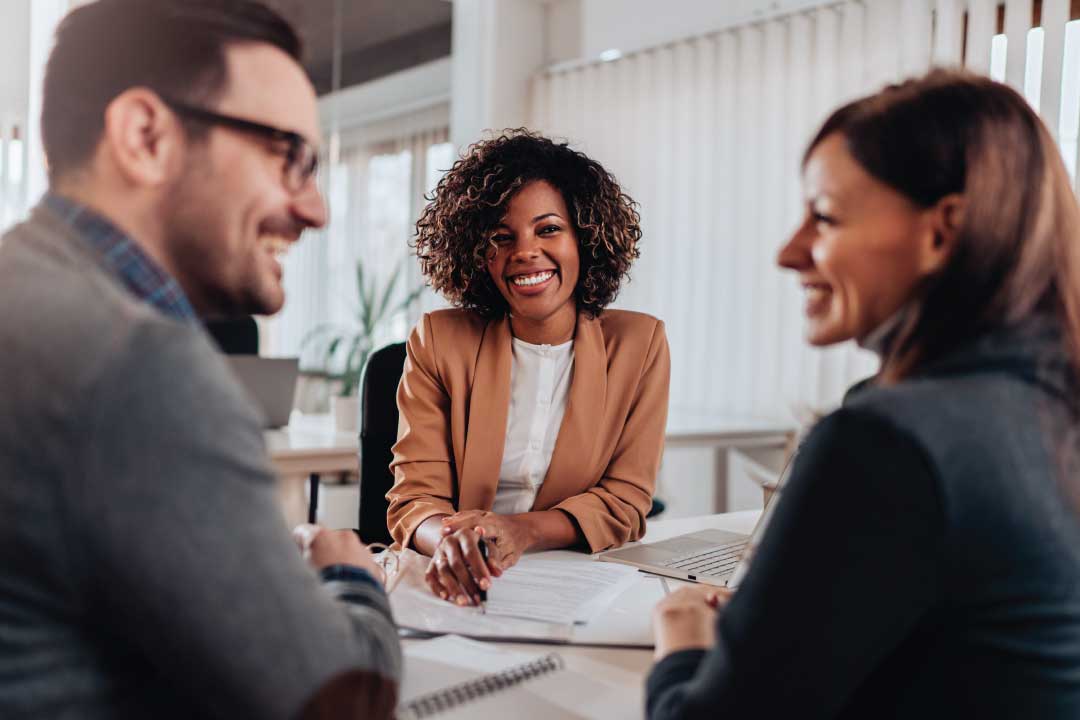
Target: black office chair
x=235 y=336
x=378 y=433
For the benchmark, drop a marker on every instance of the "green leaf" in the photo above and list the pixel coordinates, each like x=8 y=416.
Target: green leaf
x=387 y=292
x=360 y=278
x=351 y=374
x=328 y=356
x=368 y=321
x=374 y=305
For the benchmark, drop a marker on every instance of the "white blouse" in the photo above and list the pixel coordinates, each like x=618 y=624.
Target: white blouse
x=539 y=385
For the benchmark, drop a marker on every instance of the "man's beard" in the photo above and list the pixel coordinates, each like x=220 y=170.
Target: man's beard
x=194 y=239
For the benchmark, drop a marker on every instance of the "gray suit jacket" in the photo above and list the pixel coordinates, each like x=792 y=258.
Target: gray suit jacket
x=147 y=568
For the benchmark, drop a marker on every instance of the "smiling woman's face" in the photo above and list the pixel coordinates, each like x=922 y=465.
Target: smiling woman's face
x=862 y=249
x=534 y=260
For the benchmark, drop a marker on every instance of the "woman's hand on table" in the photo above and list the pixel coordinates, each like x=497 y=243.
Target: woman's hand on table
x=686 y=619
x=507 y=536
x=457 y=571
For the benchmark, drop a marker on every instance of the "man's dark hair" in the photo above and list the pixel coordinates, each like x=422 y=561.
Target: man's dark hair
x=174 y=47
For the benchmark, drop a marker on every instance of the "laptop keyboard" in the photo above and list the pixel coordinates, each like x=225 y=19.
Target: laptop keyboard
x=715 y=561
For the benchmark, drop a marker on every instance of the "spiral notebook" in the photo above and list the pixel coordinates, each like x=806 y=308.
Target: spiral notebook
x=452 y=677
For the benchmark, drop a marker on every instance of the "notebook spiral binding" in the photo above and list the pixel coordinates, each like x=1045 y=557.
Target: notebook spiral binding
x=443 y=700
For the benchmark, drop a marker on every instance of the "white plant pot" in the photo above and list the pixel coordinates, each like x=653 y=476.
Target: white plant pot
x=346 y=412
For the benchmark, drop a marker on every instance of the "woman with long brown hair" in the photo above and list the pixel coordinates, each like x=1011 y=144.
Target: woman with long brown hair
x=924 y=558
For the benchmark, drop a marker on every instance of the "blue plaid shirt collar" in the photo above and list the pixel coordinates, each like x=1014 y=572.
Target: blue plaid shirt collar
x=136 y=270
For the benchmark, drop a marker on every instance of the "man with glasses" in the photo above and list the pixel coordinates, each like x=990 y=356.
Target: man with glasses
x=148 y=572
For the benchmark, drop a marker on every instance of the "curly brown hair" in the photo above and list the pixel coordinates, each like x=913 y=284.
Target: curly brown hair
x=453 y=233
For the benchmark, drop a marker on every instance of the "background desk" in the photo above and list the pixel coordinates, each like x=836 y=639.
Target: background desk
x=712 y=461
x=309 y=446
x=738 y=454
x=638 y=661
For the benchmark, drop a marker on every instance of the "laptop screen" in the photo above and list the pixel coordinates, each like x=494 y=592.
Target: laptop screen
x=762 y=524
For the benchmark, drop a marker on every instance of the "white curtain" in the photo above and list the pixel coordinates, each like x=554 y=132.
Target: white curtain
x=707 y=135
x=375 y=194
x=13 y=169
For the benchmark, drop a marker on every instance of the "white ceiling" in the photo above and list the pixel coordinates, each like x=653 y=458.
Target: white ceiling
x=378 y=36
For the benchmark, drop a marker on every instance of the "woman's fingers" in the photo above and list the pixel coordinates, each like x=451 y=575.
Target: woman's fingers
x=718 y=597
x=458 y=572
x=448 y=578
x=455 y=557
x=463 y=520
x=478 y=568
x=507 y=561
x=431 y=577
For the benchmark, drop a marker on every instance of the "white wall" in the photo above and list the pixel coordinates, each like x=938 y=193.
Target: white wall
x=563 y=29
x=14 y=56
x=498 y=46
x=387 y=98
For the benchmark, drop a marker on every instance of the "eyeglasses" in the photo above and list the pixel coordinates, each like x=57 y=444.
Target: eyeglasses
x=301 y=159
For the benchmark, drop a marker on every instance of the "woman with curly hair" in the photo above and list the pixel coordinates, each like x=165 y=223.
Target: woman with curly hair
x=530 y=415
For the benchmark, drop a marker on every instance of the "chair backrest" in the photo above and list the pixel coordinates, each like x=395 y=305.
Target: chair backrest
x=235 y=336
x=378 y=433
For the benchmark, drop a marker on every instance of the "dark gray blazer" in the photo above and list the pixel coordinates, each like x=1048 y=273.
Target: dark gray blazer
x=147 y=568
x=924 y=560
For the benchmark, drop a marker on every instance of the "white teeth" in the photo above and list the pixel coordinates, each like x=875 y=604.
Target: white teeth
x=276 y=244
x=534 y=279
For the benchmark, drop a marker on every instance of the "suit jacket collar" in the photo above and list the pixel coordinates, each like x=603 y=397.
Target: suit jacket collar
x=489 y=407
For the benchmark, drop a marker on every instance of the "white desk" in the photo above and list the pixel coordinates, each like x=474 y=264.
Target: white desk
x=310 y=444
x=639 y=661
x=721 y=433
x=309 y=447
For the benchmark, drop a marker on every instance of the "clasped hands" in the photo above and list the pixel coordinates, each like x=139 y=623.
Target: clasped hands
x=457 y=571
x=684 y=620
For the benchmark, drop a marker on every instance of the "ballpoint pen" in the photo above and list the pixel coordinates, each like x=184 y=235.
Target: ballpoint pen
x=483 y=593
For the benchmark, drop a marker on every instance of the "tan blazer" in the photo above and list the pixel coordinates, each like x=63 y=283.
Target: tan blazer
x=454 y=398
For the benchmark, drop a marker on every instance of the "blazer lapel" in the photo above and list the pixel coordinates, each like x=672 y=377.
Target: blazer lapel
x=489 y=404
x=572 y=458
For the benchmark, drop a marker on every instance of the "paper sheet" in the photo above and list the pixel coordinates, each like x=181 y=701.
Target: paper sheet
x=418 y=609
x=558 y=591
x=608 y=621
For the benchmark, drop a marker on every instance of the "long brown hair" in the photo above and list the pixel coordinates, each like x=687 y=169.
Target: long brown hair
x=1017 y=251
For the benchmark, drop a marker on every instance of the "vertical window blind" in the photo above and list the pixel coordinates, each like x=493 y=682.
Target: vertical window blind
x=375 y=193
x=707 y=134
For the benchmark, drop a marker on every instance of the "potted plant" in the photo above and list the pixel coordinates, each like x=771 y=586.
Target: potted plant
x=342 y=351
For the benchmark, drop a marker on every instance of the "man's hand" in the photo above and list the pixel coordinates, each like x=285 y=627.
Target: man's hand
x=686 y=619
x=323 y=548
x=507 y=536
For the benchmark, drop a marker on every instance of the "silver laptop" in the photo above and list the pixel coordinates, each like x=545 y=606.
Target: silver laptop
x=271 y=383
x=714 y=557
